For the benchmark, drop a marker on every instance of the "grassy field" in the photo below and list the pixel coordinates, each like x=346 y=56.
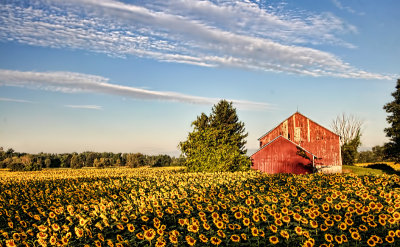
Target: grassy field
x=359 y=170
x=167 y=207
x=377 y=168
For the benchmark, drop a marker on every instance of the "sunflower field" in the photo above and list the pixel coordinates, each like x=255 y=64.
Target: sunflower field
x=168 y=207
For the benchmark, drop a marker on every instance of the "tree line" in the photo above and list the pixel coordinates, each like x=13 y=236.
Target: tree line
x=16 y=161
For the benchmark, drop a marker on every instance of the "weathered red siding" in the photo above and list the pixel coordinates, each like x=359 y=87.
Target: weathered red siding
x=314 y=138
x=280 y=156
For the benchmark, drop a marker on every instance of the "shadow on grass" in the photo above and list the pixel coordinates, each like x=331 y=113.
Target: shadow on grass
x=384 y=167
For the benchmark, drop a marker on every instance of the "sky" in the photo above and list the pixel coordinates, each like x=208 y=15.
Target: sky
x=131 y=76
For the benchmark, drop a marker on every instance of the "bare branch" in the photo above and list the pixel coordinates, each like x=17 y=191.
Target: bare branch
x=347 y=127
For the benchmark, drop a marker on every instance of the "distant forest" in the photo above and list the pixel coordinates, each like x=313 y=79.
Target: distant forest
x=16 y=161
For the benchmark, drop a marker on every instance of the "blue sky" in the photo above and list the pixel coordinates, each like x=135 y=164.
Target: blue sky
x=131 y=76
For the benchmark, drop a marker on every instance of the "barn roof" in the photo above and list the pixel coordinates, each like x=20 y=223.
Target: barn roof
x=298 y=113
x=280 y=136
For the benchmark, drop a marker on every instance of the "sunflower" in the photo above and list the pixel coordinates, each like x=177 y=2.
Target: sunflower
x=110 y=243
x=313 y=224
x=329 y=222
x=42 y=235
x=120 y=238
x=206 y=226
x=42 y=242
x=41 y=228
x=256 y=218
x=391 y=233
x=235 y=238
x=273 y=240
x=298 y=230
x=97 y=243
x=149 y=234
x=363 y=228
x=286 y=219
x=278 y=222
x=263 y=217
x=16 y=237
x=131 y=228
x=371 y=242
x=191 y=241
x=284 y=234
x=246 y=221
x=372 y=224
x=297 y=216
x=215 y=241
x=219 y=224
x=100 y=237
x=328 y=237
x=338 y=239
x=221 y=234
x=193 y=228
x=254 y=231
x=181 y=222
x=120 y=226
x=203 y=238
x=349 y=221
x=79 y=232
x=342 y=226
x=389 y=239
x=173 y=239
x=64 y=240
x=244 y=236
x=55 y=227
x=53 y=240
x=273 y=228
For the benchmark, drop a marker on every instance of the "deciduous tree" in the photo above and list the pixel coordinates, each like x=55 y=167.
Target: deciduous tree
x=348 y=127
x=217 y=141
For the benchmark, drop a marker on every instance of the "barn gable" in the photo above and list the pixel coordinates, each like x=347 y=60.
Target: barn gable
x=322 y=143
x=296 y=114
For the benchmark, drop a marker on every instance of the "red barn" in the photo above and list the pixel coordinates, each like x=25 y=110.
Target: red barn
x=298 y=145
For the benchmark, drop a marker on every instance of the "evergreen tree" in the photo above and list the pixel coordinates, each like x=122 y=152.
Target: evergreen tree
x=392 y=148
x=217 y=141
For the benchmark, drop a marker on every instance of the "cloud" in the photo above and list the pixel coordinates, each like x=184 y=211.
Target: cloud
x=339 y=5
x=15 y=100
x=69 y=82
x=90 y=107
x=225 y=34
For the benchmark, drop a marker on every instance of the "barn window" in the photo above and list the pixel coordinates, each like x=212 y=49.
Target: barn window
x=289 y=136
x=261 y=144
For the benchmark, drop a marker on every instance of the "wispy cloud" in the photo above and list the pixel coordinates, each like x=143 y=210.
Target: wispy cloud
x=339 y=5
x=204 y=33
x=69 y=82
x=89 y=107
x=15 y=100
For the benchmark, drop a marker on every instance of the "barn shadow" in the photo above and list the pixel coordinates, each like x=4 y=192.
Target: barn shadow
x=384 y=168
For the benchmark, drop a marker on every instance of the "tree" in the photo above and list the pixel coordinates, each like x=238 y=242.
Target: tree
x=162 y=160
x=349 y=130
x=217 y=141
x=135 y=160
x=392 y=148
x=75 y=162
x=47 y=162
